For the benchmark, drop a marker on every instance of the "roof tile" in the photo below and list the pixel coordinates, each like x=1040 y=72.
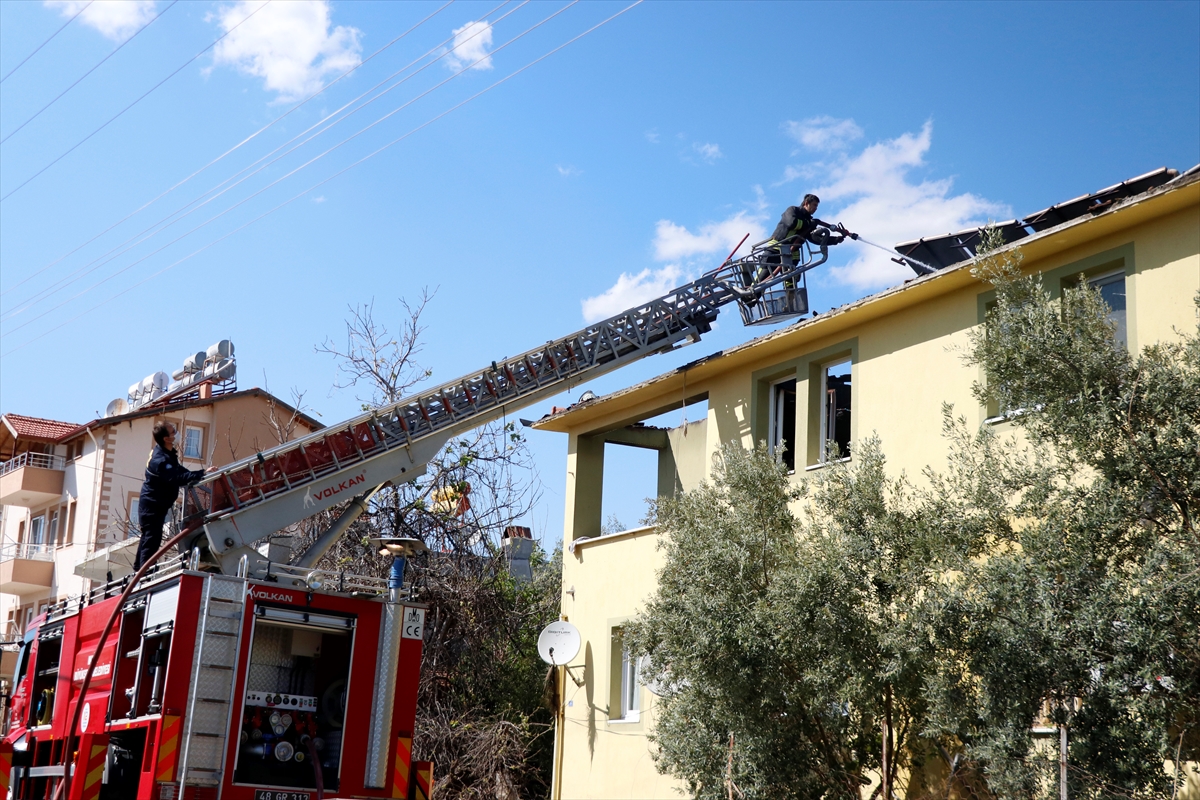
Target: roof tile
x=38 y=427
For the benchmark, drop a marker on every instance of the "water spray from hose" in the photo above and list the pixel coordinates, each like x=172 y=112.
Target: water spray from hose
x=920 y=267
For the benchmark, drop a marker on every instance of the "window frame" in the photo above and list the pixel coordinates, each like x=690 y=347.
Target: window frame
x=40 y=528
x=1098 y=282
x=187 y=427
x=1057 y=280
x=777 y=421
x=807 y=370
x=132 y=525
x=625 y=704
x=826 y=428
x=69 y=532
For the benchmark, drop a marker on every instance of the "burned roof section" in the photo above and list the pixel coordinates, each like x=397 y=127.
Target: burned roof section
x=954 y=248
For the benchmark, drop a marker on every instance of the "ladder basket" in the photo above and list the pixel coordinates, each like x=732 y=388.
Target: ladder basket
x=775 y=275
x=776 y=304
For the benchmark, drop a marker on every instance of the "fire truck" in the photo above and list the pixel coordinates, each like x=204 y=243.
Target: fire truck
x=228 y=673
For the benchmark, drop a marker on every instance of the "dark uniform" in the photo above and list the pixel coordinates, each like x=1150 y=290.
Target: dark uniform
x=795 y=227
x=164 y=477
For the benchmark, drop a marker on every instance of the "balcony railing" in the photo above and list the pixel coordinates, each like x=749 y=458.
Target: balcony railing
x=26 y=550
x=40 y=460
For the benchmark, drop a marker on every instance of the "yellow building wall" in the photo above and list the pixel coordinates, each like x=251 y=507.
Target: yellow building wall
x=611 y=577
x=907 y=363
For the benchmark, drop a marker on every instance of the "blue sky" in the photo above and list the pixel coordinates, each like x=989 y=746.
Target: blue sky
x=620 y=165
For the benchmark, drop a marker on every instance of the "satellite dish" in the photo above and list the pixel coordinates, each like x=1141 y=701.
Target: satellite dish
x=558 y=643
x=116 y=408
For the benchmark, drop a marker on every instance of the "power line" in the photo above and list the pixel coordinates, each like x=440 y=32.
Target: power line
x=166 y=222
x=284 y=177
x=261 y=130
x=89 y=72
x=43 y=44
x=134 y=103
x=326 y=180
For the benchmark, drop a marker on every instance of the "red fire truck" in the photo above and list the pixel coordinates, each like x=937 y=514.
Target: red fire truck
x=231 y=674
x=269 y=688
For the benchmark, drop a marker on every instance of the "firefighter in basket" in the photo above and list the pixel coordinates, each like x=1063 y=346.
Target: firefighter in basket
x=796 y=226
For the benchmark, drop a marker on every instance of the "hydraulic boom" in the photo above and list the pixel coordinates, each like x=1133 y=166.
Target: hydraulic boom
x=249 y=499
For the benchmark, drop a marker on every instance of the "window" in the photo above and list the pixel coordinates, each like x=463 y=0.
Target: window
x=132 y=523
x=1112 y=290
x=783 y=421
x=631 y=689
x=193 y=442
x=625 y=699
x=52 y=537
x=37 y=531
x=69 y=538
x=835 y=408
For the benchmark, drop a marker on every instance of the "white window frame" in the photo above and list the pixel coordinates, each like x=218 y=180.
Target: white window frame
x=199 y=452
x=826 y=424
x=777 y=417
x=631 y=688
x=36 y=536
x=52 y=528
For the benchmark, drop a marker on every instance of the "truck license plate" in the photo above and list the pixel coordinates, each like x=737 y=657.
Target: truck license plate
x=269 y=794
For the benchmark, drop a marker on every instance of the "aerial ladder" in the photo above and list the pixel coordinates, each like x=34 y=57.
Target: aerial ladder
x=238 y=505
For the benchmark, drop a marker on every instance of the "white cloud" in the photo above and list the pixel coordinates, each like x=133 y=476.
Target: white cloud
x=319 y=199
x=879 y=198
x=652 y=136
x=687 y=253
x=290 y=45
x=672 y=241
x=630 y=290
x=115 y=19
x=823 y=132
x=567 y=171
x=709 y=152
x=471 y=43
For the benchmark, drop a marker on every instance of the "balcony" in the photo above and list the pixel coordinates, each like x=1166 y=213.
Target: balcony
x=31 y=479
x=25 y=567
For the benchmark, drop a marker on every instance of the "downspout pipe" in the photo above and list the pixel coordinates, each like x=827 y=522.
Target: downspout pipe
x=326 y=540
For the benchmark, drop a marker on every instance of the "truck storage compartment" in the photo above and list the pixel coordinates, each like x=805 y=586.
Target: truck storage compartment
x=295 y=703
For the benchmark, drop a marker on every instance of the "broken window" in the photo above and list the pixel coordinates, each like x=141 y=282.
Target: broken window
x=835 y=410
x=783 y=422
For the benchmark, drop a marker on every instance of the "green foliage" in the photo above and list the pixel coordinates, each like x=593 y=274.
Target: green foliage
x=783 y=638
x=1048 y=577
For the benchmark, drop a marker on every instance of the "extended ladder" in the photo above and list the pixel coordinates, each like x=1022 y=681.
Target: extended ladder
x=257 y=496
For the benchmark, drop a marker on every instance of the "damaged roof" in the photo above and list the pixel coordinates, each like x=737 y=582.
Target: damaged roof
x=663 y=391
